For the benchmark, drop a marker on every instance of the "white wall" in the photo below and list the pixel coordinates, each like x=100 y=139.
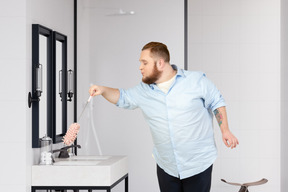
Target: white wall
x=13 y=99
x=115 y=43
x=284 y=94
x=16 y=18
x=237 y=44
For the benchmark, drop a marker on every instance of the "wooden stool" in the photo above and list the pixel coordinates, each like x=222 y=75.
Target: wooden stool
x=244 y=186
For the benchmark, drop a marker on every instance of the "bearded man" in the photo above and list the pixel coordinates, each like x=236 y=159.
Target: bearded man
x=178 y=106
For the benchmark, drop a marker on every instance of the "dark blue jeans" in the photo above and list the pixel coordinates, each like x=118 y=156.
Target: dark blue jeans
x=197 y=183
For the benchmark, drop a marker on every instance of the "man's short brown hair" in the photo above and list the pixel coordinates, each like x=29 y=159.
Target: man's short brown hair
x=158 y=50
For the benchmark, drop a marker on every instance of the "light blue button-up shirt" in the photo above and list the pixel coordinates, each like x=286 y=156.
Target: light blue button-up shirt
x=180 y=121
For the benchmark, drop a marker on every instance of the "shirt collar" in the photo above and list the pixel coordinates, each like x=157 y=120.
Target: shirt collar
x=179 y=73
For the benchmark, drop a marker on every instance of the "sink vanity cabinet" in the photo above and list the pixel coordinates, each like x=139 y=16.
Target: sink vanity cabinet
x=81 y=173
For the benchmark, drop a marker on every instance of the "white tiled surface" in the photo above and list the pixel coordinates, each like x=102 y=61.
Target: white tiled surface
x=13 y=95
x=12 y=74
x=13 y=126
x=13 y=165
x=15 y=187
x=230 y=7
x=8 y=8
x=230 y=28
x=15 y=74
x=117 y=65
x=13 y=38
x=237 y=44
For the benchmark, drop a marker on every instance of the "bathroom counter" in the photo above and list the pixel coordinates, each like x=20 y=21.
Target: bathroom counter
x=81 y=172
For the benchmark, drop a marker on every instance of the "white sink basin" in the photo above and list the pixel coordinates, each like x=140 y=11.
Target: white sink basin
x=81 y=160
x=76 y=163
x=90 y=158
x=81 y=171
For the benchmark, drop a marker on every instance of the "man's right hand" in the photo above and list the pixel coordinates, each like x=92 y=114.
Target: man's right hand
x=95 y=90
x=110 y=94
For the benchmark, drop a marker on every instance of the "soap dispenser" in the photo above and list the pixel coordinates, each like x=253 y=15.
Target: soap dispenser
x=46 y=151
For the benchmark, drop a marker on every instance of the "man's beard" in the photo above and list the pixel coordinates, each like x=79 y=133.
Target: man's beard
x=153 y=77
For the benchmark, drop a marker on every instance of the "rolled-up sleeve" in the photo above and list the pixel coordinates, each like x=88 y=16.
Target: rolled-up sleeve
x=211 y=95
x=126 y=99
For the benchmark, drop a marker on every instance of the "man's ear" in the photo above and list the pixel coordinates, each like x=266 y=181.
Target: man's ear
x=160 y=64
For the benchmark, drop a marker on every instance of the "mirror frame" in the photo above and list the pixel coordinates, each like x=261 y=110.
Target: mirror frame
x=57 y=138
x=38 y=30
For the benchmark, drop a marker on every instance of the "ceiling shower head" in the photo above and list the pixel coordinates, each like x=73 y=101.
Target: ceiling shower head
x=121 y=12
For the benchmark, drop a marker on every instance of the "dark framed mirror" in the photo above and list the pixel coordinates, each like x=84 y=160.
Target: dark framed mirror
x=60 y=86
x=42 y=88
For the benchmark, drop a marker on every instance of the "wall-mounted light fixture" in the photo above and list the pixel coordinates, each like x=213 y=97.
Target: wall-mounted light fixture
x=39 y=80
x=38 y=86
x=70 y=84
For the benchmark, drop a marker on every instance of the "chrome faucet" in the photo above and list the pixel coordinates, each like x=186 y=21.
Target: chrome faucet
x=64 y=151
